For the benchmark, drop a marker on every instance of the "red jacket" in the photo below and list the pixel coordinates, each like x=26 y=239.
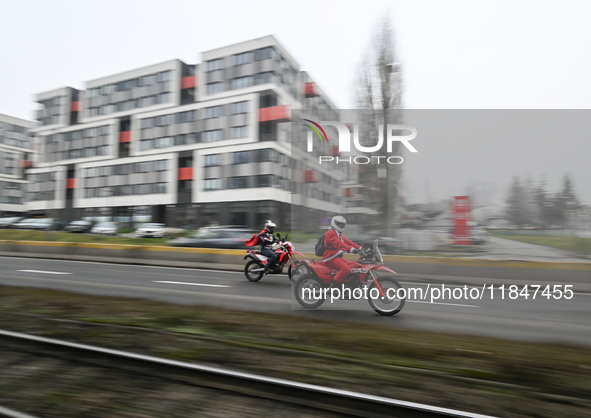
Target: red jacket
x=336 y=244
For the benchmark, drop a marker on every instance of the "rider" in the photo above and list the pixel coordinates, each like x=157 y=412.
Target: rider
x=336 y=244
x=266 y=241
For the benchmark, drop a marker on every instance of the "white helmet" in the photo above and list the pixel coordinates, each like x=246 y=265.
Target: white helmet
x=338 y=223
x=270 y=226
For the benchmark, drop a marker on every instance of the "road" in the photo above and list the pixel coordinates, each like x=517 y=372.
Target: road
x=540 y=320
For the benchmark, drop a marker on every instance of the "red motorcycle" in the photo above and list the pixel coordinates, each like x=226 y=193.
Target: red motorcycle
x=255 y=268
x=313 y=284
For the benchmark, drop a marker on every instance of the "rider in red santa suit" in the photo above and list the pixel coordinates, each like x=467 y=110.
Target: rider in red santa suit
x=336 y=245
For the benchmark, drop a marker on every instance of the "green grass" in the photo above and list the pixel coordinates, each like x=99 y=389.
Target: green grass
x=419 y=366
x=18 y=235
x=575 y=244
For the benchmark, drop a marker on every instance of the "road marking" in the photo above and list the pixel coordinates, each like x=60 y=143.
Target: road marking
x=43 y=272
x=191 y=284
x=441 y=303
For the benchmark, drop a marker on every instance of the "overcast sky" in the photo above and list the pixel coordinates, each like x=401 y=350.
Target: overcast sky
x=454 y=54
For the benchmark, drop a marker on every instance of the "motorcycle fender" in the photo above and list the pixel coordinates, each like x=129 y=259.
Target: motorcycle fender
x=384 y=268
x=251 y=256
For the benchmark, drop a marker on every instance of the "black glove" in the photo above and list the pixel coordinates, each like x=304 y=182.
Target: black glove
x=355 y=251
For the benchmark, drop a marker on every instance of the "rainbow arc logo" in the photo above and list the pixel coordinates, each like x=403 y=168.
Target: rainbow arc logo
x=316 y=130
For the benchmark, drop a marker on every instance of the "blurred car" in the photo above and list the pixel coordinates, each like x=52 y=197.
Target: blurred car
x=38 y=224
x=478 y=236
x=150 y=230
x=387 y=245
x=79 y=226
x=9 y=222
x=230 y=238
x=105 y=228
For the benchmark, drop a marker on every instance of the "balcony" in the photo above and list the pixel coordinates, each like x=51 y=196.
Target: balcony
x=275 y=114
x=310 y=90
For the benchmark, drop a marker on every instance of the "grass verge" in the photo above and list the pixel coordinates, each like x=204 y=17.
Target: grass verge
x=575 y=244
x=478 y=374
x=19 y=235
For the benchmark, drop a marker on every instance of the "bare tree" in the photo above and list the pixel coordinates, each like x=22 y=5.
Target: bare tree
x=379 y=90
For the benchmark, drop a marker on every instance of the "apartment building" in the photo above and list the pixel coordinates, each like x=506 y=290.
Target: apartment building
x=185 y=144
x=15 y=158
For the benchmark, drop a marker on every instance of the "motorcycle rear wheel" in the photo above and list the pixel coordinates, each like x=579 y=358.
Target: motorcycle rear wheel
x=253 y=276
x=315 y=286
x=386 y=306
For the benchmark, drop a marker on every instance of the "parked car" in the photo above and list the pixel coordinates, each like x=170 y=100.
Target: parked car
x=151 y=230
x=79 y=226
x=479 y=236
x=230 y=238
x=9 y=222
x=105 y=228
x=38 y=224
x=387 y=245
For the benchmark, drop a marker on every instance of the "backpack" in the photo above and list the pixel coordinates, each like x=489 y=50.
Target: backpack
x=320 y=248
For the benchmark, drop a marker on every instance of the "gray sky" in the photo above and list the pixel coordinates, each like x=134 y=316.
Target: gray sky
x=454 y=54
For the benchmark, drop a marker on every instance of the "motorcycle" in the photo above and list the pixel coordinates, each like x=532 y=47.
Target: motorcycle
x=255 y=268
x=316 y=279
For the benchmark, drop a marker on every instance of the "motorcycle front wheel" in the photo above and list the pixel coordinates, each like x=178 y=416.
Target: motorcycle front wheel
x=253 y=276
x=390 y=304
x=308 y=291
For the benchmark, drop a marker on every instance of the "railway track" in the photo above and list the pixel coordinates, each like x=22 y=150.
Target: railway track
x=300 y=395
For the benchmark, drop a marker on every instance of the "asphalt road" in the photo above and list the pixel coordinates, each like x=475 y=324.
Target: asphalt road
x=542 y=319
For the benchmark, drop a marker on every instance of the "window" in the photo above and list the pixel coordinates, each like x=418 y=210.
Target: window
x=103 y=150
x=188 y=116
x=264 y=53
x=213 y=112
x=164 y=76
x=213 y=88
x=263 y=78
x=238 y=108
x=212 y=160
x=241 y=157
x=127 y=84
x=104 y=130
x=13 y=186
x=211 y=136
x=160 y=165
x=147 y=101
x=143 y=167
x=243 y=58
x=163 y=98
x=163 y=142
x=265 y=180
x=93 y=111
x=146 y=144
x=148 y=123
x=159 y=188
x=163 y=120
x=212 y=184
x=238 y=132
x=90 y=172
x=93 y=93
x=104 y=171
x=108 y=89
x=185 y=185
x=238 y=182
x=216 y=64
x=268 y=154
x=241 y=82
x=147 y=80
